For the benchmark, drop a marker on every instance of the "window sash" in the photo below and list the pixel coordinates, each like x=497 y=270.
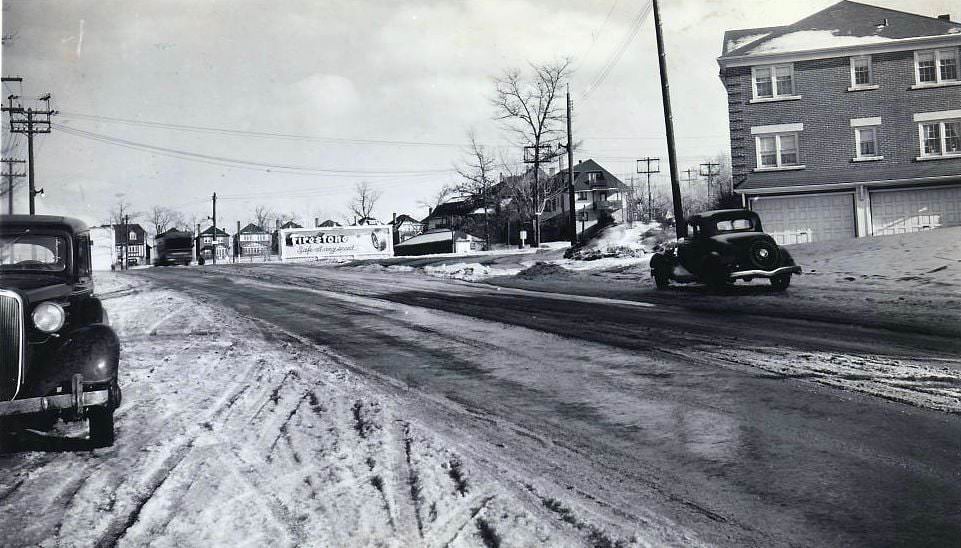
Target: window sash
x=772 y=81
x=952 y=137
x=861 y=71
x=948 y=65
x=936 y=66
x=788 y=150
x=778 y=150
x=867 y=142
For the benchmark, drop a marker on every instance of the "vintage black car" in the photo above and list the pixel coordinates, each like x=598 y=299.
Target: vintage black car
x=721 y=247
x=58 y=355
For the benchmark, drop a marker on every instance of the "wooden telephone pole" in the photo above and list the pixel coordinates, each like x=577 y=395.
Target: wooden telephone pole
x=29 y=121
x=680 y=227
x=9 y=175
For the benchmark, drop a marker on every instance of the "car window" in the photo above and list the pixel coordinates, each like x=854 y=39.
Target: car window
x=734 y=225
x=33 y=252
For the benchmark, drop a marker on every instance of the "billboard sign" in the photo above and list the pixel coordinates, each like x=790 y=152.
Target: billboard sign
x=342 y=242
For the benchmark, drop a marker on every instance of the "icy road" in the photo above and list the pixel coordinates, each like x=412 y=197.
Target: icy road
x=512 y=417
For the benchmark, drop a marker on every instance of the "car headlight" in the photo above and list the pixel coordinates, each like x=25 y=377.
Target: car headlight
x=49 y=317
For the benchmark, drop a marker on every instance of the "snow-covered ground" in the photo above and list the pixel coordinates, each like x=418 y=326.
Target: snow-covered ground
x=232 y=434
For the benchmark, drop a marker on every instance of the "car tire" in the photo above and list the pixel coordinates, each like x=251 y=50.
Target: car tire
x=100 y=420
x=661 y=279
x=780 y=283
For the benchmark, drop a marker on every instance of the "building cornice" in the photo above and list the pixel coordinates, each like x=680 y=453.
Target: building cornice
x=901 y=44
x=804 y=189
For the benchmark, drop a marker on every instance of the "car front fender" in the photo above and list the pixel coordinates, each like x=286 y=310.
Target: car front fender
x=92 y=351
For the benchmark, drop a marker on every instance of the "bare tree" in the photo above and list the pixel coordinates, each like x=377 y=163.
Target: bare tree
x=121 y=212
x=263 y=216
x=364 y=200
x=164 y=218
x=477 y=172
x=437 y=198
x=530 y=107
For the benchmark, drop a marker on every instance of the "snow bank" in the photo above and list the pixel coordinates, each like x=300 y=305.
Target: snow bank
x=468 y=271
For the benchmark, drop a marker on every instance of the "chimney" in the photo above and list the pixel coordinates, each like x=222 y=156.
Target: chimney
x=945 y=17
x=316 y=222
x=430 y=211
x=393 y=217
x=277 y=221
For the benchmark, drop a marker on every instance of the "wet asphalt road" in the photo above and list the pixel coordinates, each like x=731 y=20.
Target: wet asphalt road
x=619 y=411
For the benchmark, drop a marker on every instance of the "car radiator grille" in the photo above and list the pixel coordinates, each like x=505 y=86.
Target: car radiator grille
x=11 y=344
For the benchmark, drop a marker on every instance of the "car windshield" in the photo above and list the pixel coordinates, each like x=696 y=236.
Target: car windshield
x=734 y=225
x=26 y=251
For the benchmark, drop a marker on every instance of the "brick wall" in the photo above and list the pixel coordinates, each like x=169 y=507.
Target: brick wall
x=826 y=109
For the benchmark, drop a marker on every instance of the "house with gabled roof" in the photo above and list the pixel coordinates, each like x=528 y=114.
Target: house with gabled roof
x=215 y=241
x=252 y=240
x=847 y=123
x=405 y=227
x=600 y=197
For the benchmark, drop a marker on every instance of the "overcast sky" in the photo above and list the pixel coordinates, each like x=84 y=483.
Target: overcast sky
x=350 y=74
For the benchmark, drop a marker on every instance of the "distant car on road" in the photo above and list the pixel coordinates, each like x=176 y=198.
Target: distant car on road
x=721 y=247
x=58 y=355
x=173 y=247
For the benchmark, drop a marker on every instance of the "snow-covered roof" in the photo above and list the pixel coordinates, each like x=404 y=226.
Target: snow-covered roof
x=844 y=24
x=436 y=236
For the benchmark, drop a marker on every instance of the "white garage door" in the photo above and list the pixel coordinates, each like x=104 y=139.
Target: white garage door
x=802 y=219
x=900 y=211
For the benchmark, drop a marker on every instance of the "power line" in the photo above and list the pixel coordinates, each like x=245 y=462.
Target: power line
x=237 y=162
x=615 y=57
x=259 y=134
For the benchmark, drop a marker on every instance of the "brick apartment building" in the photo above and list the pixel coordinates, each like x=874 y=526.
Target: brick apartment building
x=847 y=123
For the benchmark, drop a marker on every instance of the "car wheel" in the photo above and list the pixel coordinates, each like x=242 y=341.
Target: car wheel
x=780 y=283
x=101 y=426
x=661 y=278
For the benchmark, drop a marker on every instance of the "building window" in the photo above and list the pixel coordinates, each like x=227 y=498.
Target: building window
x=866 y=142
x=861 y=71
x=583 y=196
x=593 y=176
x=773 y=81
x=940 y=138
x=777 y=150
x=936 y=66
x=132 y=236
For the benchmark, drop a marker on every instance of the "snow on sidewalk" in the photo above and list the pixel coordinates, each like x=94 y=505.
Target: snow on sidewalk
x=233 y=435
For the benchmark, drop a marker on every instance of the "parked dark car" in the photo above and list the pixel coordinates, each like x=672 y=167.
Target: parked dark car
x=721 y=247
x=58 y=355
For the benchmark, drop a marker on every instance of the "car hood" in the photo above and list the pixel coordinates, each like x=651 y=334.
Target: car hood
x=741 y=239
x=36 y=288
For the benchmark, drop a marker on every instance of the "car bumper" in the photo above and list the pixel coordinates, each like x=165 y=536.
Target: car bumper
x=784 y=270
x=76 y=401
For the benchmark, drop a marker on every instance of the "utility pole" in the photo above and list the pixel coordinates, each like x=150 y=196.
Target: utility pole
x=214 y=219
x=126 y=243
x=9 y=175
x=680 y=226
x=689 y=177
x=648 y=170
x=710 y=170
x=29 y=122
x=570 y=170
